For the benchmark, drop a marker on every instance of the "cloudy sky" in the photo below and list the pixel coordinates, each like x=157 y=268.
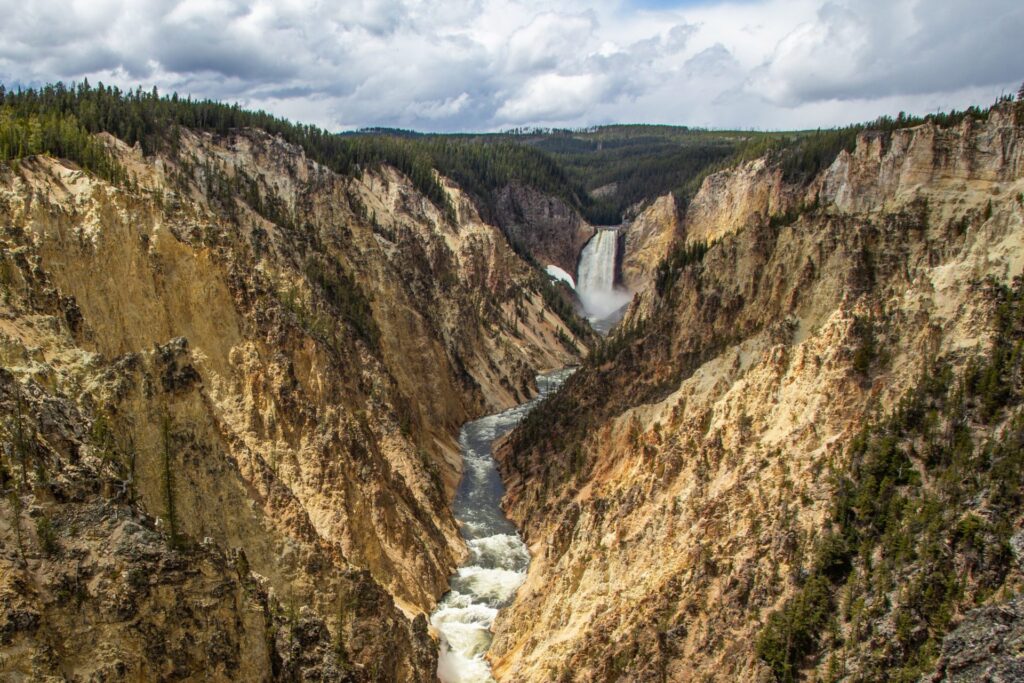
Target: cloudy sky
x=494 y=64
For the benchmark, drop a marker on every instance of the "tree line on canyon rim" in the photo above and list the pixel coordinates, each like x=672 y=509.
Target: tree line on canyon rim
x=602 y=172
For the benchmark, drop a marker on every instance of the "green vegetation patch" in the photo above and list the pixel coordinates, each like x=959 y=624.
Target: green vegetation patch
x=920 y=525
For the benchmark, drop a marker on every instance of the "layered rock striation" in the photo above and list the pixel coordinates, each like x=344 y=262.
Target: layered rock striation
x=231 y=390
x=678 y=491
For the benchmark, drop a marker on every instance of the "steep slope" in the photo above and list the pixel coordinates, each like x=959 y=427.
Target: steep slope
x=240 y=378
x=546 y=228
x=649 y=238
x=677 y=491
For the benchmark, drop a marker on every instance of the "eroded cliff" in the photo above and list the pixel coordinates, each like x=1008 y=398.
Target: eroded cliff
x=547 y=228
x=682 y=486
x=648 y=239
x=233 y=387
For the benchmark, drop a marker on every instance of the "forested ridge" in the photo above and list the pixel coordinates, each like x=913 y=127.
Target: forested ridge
x=601 y=171
x=58 y=119
x=61 y=120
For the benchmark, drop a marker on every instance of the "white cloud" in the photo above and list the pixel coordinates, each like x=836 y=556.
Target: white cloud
x=552 y=97
x=484 y=64
x=852 y=50
x=439 y=109
x=549 y=42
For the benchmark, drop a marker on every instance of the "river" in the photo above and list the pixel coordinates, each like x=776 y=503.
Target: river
x=498 y=558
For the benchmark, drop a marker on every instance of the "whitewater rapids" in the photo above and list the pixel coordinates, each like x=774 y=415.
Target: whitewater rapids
x=498 y=557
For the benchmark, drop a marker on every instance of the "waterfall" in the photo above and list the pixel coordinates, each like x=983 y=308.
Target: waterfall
x=595 y=283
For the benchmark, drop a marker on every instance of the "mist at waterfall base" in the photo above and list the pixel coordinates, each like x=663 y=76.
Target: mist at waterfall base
x=602 y=300
x=498 y=557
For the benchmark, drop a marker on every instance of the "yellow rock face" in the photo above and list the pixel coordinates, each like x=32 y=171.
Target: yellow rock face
x=649 y=238
x=278 y=359
x=668 y=506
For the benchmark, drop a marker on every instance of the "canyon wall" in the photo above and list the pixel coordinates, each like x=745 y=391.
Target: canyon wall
x=232 y=388
x=547 y=228
x=648 y=238
x=680 y=489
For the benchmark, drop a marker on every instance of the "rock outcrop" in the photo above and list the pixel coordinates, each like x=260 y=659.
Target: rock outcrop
x=986 y=646
x=232 y=391
x=545 y=227
x=673 y=492
x=731 y=200
x=648 y=238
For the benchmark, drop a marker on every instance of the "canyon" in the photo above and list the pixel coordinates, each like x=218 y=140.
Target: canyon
x=266 y=420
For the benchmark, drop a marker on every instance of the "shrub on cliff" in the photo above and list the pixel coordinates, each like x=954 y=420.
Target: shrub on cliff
x=921 y=521
x=793 y=632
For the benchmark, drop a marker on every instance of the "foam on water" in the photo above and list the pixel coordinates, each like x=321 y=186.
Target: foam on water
x=498 y=559
x=494 y=585
x=500 y=550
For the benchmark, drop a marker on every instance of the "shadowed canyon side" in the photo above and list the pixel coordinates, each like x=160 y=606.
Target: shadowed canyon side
x=232 y=388
x=545 y=227
x=800 y=453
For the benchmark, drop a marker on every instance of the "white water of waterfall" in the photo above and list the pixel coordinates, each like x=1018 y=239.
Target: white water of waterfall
x=596 y=282
x=498 y=557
